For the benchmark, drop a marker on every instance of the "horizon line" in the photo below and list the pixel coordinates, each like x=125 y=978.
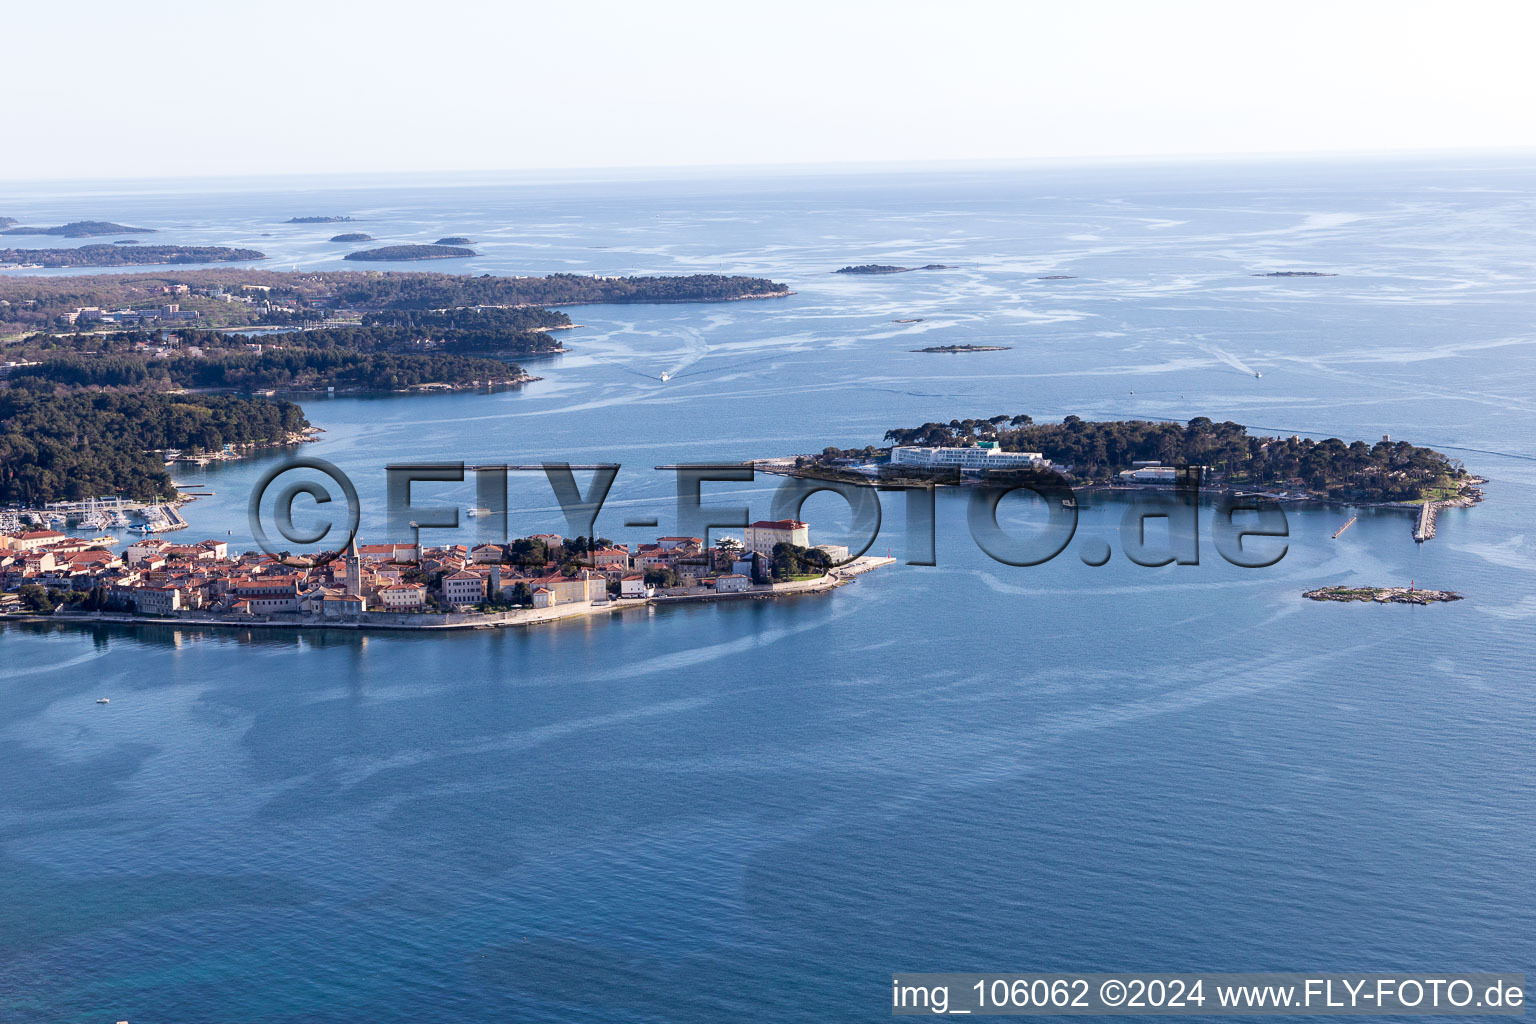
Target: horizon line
x=726 y=170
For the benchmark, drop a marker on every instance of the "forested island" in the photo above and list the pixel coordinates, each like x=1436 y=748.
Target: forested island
x=883 y=268
x=388 y=351
x=112 y=255
x=78 y=229
x=412 y=252
x=228 y=297
x=319 y=220
x=80 y=445
x=964 y=348
x=87 y=399
x=352 y=236
x=6 y=222
x=454 y=240
x=1096 y=453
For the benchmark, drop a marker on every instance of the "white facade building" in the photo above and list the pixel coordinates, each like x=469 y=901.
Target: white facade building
x=986 y=455
x=1150 y=475
x=634 y=586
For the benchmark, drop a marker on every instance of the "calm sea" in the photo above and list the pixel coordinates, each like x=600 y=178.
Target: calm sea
x=760 y=811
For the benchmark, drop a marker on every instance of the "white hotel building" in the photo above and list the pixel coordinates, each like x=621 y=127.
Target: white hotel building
x=986 y=455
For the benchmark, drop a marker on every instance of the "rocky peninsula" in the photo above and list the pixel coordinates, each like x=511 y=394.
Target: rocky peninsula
x=1383 y=595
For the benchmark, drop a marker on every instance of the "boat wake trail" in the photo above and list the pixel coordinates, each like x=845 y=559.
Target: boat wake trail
x=1231 y=360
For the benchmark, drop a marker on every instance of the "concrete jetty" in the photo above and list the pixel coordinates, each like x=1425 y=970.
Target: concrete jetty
x=1424 y=529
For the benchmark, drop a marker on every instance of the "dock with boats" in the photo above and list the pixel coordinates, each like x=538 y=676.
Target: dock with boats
x=161 y=519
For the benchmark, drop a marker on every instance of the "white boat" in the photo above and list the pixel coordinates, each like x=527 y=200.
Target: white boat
x=477 y=512
x=665 y=376
x=103 y=700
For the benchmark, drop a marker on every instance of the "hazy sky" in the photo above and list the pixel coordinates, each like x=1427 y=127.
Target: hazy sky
x=114 y=89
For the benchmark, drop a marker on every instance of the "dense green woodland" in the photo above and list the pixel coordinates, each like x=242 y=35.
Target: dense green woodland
x=377 y=358
x=280 y=369
x=514 y=318
x=1097 y=450
x=78 y=423
x=41 y=302
x=109 y=255
x=411 y=252
x=63 y=447
x=438 y=291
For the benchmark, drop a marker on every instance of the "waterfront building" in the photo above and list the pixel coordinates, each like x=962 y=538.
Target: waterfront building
x=732 y=583
x=634 y=585
x=985 y=456
x=403 y=597
x=1152 y=474
x=341 y=606
x=157 y=600
x=586 y=585
x=32 y=540
x=762 y=535
x=463 y=589
x=838 y=553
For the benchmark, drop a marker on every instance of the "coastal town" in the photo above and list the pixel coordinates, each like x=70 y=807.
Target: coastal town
x=406 y=586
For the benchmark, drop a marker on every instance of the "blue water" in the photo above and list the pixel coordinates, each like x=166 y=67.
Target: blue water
x=762 y=810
